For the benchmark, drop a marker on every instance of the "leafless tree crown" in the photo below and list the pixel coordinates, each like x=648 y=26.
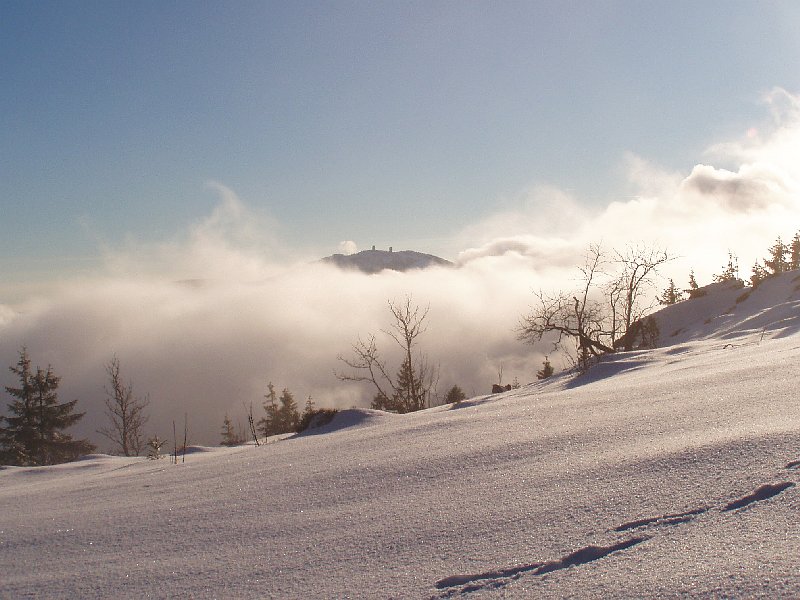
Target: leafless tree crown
x=126 y=413
x=411 y=387
x=603 y=308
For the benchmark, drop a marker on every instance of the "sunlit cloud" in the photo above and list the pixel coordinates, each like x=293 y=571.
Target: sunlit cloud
x=698 y=216
x=348 y=247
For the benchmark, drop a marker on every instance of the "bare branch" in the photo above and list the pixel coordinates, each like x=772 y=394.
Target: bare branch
x=125 y=412
x=410 y=389
x=596 y=325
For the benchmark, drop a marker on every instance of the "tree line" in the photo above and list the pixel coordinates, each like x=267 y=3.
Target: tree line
x=781 y=258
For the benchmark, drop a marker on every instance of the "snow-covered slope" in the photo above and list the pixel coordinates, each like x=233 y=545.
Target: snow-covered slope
x=375 y=261
x=662 y=473
x=727 y=310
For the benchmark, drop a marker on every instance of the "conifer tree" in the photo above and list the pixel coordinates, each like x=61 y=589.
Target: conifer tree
x=777 y=263
x=154 y=445
x=455 y=395
x=692 y=281
x=289 y=417
x=671 y=295
x=694 y=289
x=546 y=370
x=794 y=251
x=309 y=407
x=730 y=272
x=408 y=395
x=759 y=274
x=34 y=433
x=270 y=424
x=229 y=435
x=282 y=415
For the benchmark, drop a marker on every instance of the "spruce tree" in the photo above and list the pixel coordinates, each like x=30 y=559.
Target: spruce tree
x=730 y=272
x=408 y=396
x=546 y=370
x=455 y=395
x=759 y=274
x=794 y=252
x=19 y=437
x=289 y=417
x=671 y=295
x=777 y=263
x=34 y=433
x=229 y=436
x=309 y=405
x=270 y=424
x=694 y=289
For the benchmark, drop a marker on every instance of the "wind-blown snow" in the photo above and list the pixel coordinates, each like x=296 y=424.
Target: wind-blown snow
x=667 y=472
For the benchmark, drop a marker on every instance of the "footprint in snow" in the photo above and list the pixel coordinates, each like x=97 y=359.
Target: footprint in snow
x=498 y=578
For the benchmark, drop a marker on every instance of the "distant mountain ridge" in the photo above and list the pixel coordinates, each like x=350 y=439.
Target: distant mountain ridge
x=375 y=261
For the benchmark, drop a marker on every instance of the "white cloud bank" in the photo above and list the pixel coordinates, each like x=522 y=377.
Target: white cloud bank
x=348 y=247
x=202 y=323
x=698 y=216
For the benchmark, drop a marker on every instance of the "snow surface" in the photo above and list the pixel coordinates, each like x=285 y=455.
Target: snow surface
x=662 y=473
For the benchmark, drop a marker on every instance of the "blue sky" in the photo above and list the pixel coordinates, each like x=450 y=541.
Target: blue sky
x=388 y=123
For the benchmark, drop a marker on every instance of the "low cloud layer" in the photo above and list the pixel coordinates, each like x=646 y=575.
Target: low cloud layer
x=203 y=322
x=208 y=346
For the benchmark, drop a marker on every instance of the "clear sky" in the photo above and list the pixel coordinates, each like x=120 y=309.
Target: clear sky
x=389 y=123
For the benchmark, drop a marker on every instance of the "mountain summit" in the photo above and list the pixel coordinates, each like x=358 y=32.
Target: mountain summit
x=375 y=261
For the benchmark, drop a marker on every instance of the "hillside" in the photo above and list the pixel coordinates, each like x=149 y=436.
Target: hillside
x=660 y=473
x=375 y=261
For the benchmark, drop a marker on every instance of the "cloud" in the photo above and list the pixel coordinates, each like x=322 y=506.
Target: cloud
x=537 y=253
x=348 y=247
x=203 y=322
x=232 y=239
x=752 y=187
x=537 y=210
x=698 y=215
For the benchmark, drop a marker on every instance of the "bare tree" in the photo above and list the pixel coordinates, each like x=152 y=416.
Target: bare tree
x=410 y=389
x=597 y=322
x=637 y=268
x=126 y=412
x=578 y=316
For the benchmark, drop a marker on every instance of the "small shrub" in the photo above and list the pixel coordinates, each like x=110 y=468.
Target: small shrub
x=455 y=395
x=546 y=370
x=154 y=445
x=698 y=293
x=316 y=417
